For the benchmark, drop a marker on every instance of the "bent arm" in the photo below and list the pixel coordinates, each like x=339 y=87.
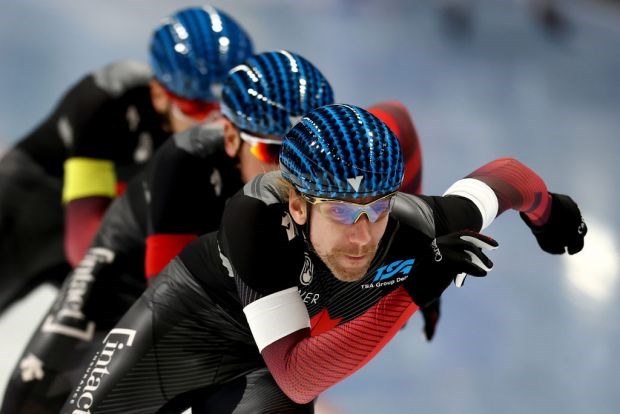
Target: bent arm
x=90 y=181
x=303 y=365
x=183 y=201
x=89 y=187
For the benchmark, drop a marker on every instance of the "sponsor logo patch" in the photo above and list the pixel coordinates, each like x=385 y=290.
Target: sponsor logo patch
x=67 y=317
x=84 y=397
x=389 y=274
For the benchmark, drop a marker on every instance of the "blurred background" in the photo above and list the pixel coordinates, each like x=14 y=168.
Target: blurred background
x=534 y=79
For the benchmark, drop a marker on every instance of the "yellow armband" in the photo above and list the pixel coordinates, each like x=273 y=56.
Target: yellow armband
x=88 y=177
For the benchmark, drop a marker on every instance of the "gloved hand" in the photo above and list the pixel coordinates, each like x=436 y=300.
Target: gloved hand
x=443 y=259
x=431 y=314
x=565 y=228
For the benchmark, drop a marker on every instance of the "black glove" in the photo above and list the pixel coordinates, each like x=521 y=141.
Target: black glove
x=565 y=228
x=431 y=314
x=443 y=259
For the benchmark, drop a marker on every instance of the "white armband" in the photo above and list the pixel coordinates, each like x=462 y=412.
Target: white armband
x=275 y=316
x=480 y=194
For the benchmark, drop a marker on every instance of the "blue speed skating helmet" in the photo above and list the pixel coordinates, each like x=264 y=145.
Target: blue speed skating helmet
x=270 y=91
x=342 y=152
x=192 y=51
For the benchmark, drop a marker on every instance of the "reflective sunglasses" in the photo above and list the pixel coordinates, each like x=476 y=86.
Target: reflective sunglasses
x=264 y=149
x=195 y=109
x=346 y=212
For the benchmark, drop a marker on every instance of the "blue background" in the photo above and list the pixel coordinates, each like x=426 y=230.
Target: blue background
x=540 y=334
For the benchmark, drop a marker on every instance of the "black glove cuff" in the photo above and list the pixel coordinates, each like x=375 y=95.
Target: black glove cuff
x=534 y=228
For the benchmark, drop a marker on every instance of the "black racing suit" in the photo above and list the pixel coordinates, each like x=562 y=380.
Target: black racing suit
x=111 y=276
x=186 y=341
x=107 y=115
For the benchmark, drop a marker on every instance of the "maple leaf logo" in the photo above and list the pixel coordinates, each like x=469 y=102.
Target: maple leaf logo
x=322 y=322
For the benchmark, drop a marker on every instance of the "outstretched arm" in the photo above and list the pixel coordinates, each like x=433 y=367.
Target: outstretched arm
x=517 y=187
x=505 y=184
x=396 y=116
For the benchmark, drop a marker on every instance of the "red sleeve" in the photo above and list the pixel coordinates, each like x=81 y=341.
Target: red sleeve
x=121 y=187
x=396 y=116
x=304 y=365
x=517 y=187
x=161 y=248
x=82 y=219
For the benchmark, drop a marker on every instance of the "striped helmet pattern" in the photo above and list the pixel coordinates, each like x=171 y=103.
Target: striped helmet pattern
x=270 y=91
x=192 y=51
x=342 y=152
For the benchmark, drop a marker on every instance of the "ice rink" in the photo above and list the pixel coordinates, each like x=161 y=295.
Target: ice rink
x=541 y=333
